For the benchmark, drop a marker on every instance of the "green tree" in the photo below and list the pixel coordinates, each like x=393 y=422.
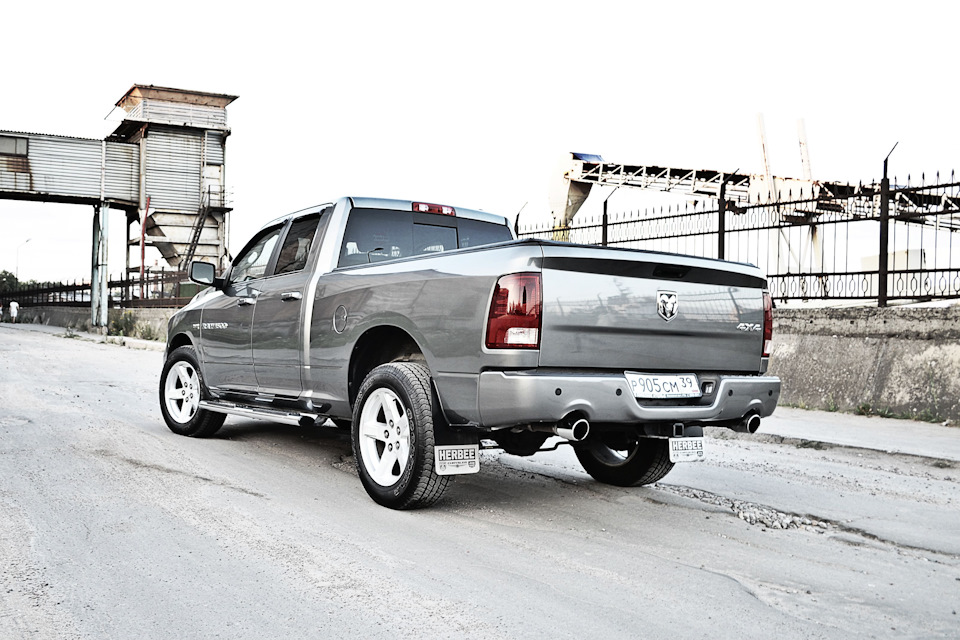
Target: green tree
x=8 y=281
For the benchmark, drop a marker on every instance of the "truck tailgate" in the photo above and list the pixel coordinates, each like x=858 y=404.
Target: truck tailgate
x=646 y=311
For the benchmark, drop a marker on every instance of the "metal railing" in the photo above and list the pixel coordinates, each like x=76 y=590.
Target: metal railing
x=161 y=289
x=215 y=198
x=823 y=245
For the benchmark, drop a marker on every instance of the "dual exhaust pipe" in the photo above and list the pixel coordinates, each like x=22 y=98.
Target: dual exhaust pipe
x=575 y=426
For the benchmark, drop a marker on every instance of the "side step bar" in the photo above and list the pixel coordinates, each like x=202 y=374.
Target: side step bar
x=285 y=416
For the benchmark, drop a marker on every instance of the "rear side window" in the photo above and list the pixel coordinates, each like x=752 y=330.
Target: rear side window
x=373 y=235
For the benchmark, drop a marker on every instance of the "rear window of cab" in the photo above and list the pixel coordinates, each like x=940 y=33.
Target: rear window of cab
x=375 y=235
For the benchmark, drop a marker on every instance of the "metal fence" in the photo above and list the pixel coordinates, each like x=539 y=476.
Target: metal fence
x=873 y=242
x=855 y=242
x=160 y=289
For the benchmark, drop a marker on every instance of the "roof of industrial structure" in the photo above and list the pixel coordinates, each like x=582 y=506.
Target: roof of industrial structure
x=139 y=92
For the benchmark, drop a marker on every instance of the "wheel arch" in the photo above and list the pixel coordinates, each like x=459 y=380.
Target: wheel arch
x=180 y=340
x=380 y=345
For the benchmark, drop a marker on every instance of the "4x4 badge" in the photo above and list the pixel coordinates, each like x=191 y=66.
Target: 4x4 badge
x=667 y=304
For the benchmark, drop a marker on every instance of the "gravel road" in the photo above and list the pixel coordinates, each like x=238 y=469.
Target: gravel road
x=111 y=526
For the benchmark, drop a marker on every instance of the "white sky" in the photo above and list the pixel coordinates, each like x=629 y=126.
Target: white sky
x=473 y=104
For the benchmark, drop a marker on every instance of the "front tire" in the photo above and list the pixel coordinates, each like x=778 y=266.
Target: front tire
x=393 y=437
x=624 y=459
x=181 y=389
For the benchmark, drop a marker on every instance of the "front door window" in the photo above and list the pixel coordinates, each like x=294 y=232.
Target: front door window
x=253 y=262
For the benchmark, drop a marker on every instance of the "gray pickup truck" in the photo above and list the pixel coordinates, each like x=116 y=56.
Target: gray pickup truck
x=430 y=332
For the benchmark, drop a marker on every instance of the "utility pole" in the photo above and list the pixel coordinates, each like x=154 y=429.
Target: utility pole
x=17 y=269
x=884 y=256
x=722 y=220
x=605 y=220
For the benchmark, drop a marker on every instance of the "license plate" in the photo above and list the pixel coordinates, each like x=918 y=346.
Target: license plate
x=649 y=385
x=457 y=458
x=686 y=450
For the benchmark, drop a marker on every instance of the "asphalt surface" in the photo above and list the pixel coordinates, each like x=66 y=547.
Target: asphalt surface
x=821 y=526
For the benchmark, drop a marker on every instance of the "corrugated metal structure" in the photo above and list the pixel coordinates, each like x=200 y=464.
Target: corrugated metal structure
x=181 y=135
x=122 y=173
x=47 y=168
x=168 y=151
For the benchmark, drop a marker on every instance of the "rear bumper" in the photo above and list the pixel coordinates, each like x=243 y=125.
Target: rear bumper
x=524 y=397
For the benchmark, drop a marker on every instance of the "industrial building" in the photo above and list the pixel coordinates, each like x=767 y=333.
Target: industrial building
x=163 y=167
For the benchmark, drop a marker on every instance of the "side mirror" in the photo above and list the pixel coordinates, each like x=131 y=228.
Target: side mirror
x=203 y=273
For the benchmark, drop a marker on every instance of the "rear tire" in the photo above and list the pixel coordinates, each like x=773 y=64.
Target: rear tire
x=393 y=438
x=181 y=389
x=624 y=459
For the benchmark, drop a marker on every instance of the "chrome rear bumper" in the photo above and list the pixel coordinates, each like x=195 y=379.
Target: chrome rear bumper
x=523 y=397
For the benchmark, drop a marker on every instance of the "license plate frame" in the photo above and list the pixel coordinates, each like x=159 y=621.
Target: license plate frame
x=665 y=386
x=456 y=459
x=690 y=449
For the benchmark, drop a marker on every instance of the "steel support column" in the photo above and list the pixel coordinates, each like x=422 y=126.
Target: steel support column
x=99 y=293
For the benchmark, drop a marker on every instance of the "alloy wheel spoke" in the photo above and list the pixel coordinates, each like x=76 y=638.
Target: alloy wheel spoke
x=393 y=413
x=185 y=375
x=384 y=467
x=372 y=429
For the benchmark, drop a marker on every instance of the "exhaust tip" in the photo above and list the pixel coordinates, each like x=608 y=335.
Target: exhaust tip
x=573 y=427
x=580 y=429
x=753 y=423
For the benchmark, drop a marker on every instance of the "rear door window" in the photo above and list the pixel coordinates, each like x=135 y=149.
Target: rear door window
x=296 y=246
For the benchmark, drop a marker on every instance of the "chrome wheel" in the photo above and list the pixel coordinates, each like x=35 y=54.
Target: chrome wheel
x=384 y=437
x=181 y=392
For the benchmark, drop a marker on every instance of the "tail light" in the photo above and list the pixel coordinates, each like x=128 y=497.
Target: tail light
x=767 y=323
x=514 y=320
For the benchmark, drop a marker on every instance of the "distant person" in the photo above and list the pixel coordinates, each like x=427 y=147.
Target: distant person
x=14 y=310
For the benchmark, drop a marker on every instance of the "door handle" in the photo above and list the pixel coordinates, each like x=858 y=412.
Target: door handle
x=291 y=295
x=244 y=302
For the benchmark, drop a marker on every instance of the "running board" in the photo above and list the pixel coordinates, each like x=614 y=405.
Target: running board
x=285 y=416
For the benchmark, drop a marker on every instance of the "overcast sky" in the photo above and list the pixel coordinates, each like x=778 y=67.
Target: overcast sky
x=473 y=104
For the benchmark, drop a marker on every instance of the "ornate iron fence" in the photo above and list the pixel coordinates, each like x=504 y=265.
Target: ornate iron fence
x=854 y=242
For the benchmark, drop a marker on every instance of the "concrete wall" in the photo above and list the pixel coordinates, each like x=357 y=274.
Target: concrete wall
x=150 y=324
x=900 y=360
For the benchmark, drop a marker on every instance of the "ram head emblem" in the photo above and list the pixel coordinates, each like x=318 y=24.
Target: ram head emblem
x=667 y=305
